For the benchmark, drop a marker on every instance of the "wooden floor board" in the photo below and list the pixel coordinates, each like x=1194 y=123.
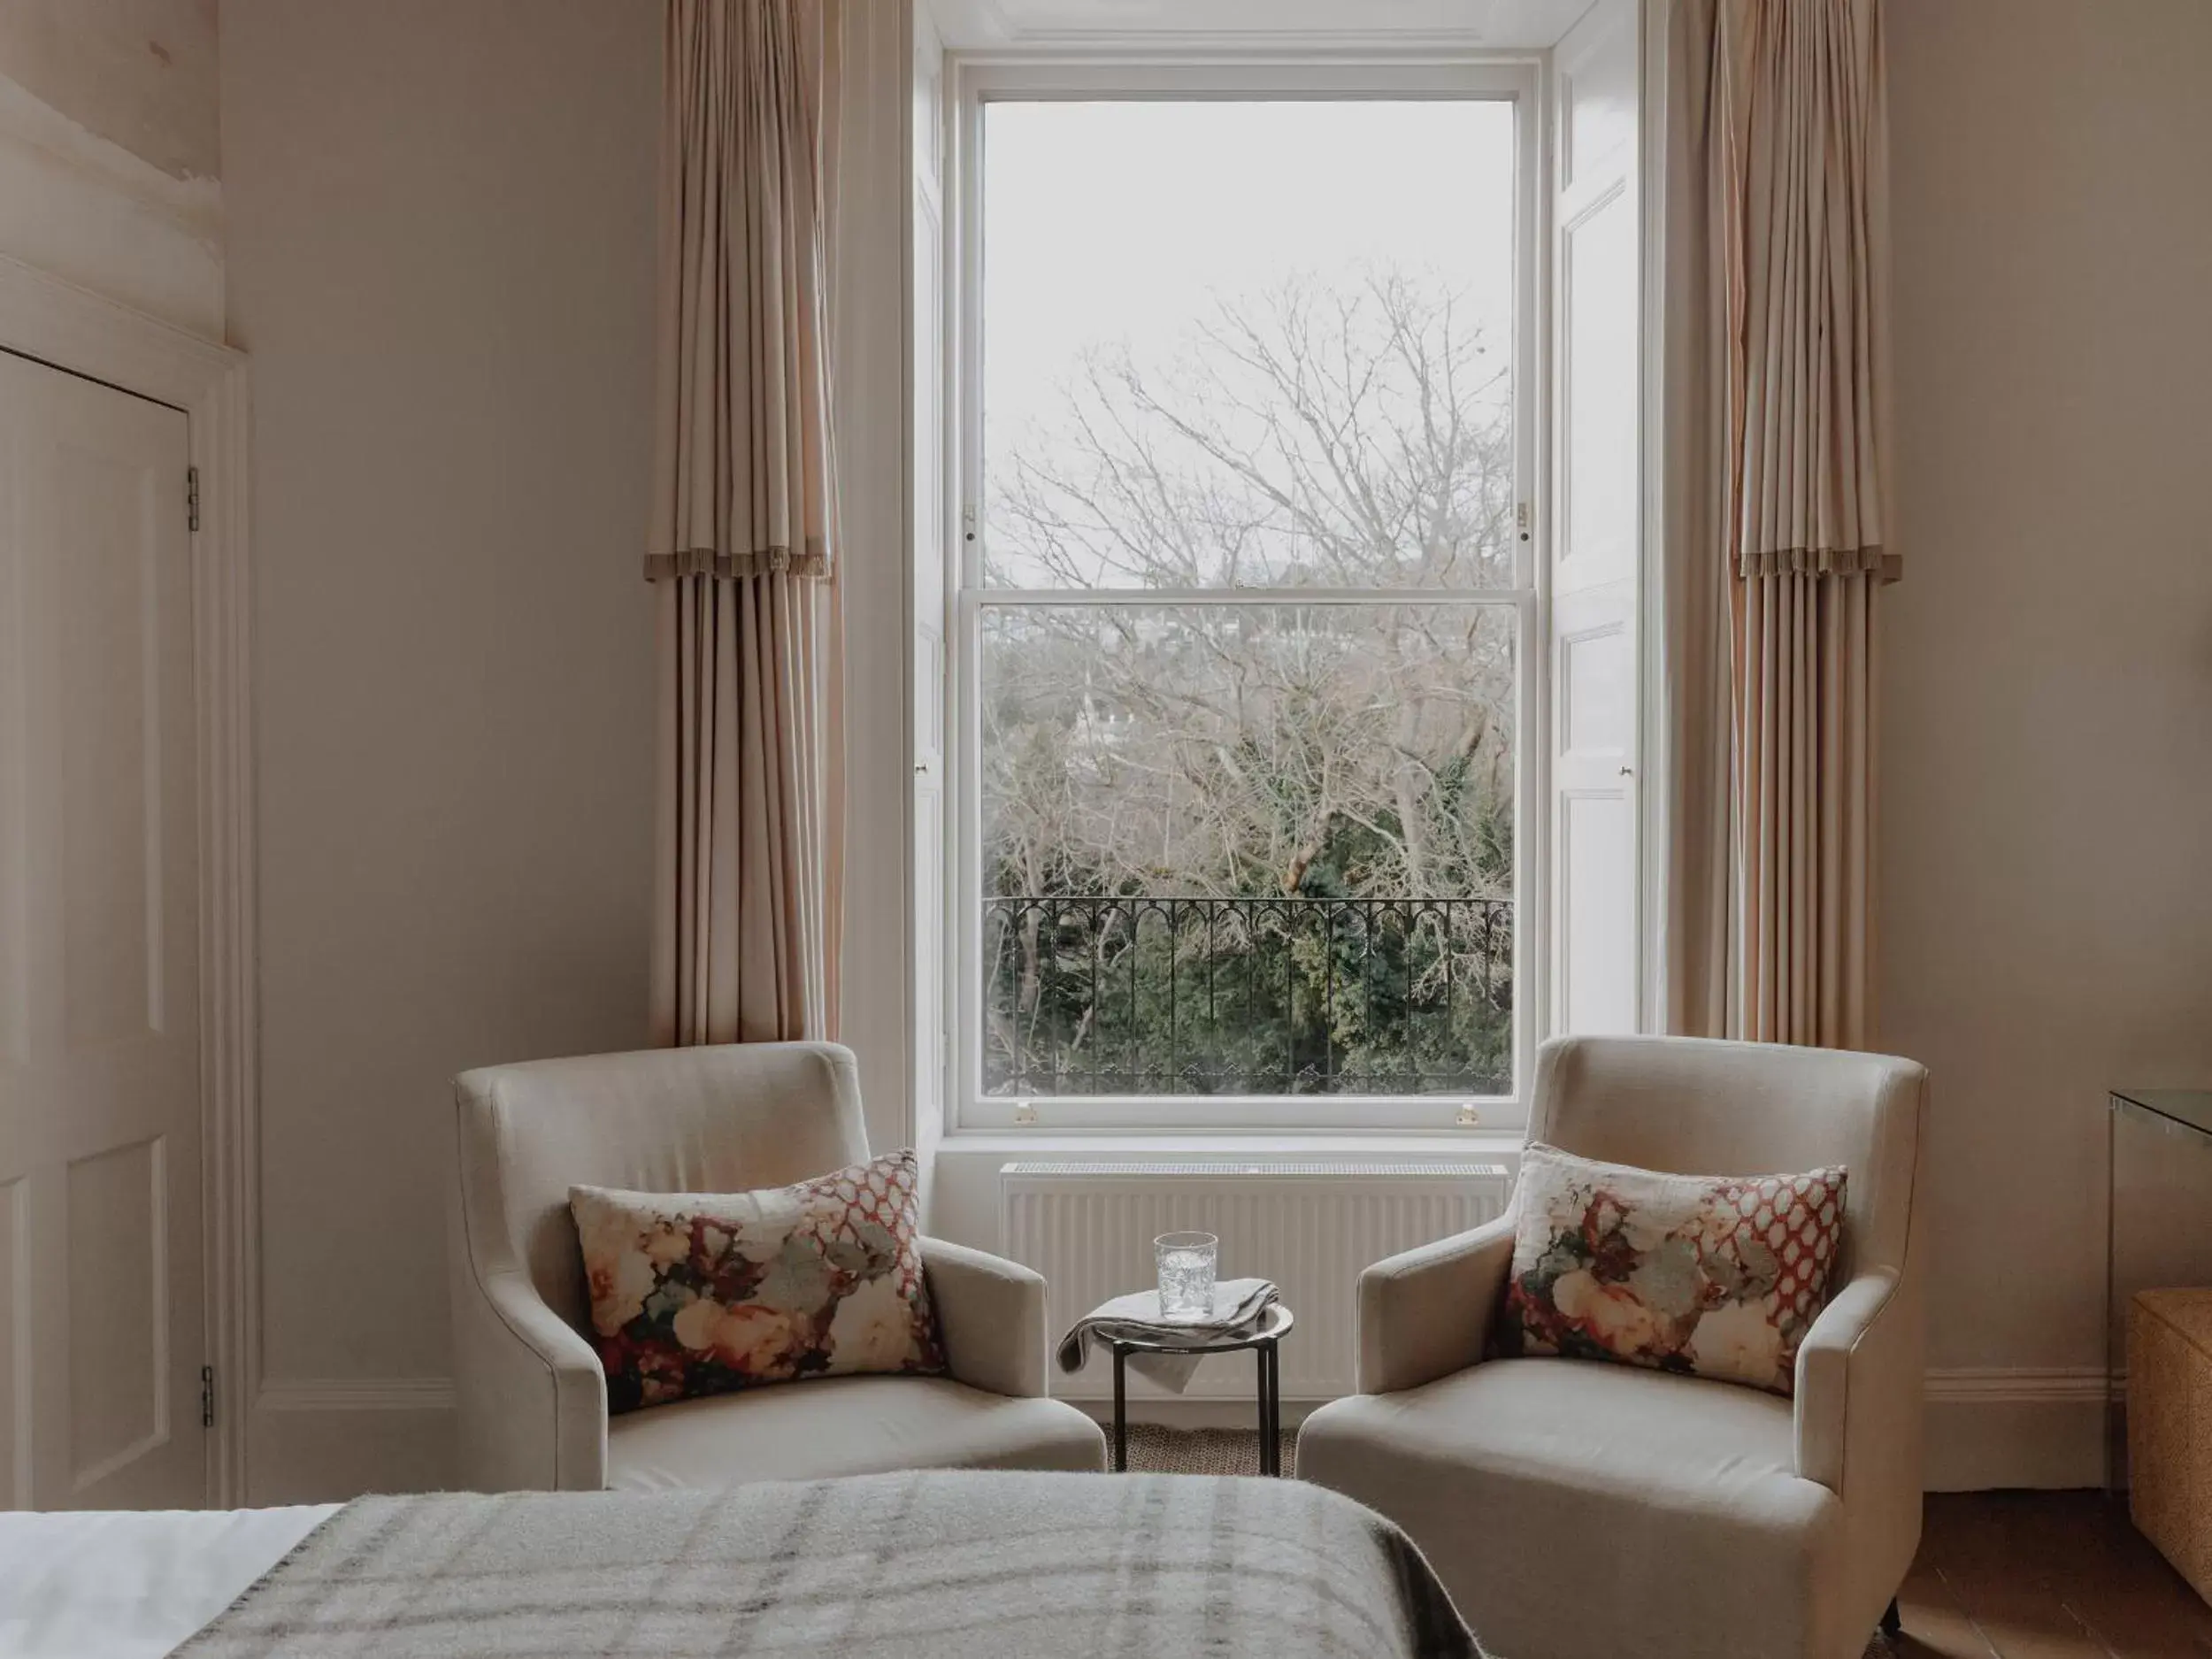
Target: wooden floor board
x=1936 y=1626
x=2001 y=1558
x=2119 y=1586
x=2044 y=1575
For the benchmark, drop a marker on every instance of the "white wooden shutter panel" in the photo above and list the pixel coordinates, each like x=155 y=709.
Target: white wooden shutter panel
x=931 y=535
x=1596 y=491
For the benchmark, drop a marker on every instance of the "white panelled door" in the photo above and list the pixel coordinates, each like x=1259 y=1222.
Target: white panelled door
x=1596 y=303
x=101 y=1264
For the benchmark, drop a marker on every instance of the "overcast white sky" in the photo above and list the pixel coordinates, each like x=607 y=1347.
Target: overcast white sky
x=1123 y=221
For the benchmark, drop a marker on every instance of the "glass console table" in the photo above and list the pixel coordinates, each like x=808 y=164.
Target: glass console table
x=2158 y=1220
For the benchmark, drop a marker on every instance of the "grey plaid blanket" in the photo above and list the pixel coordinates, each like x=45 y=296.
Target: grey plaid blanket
x=963 y=1565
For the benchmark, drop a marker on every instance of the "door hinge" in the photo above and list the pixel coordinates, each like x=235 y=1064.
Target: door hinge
x=207 y=1396
x=192 y=498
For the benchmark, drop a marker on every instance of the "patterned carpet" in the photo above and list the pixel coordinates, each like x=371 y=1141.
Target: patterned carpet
x=1202 y=1451
x=1237 y=1452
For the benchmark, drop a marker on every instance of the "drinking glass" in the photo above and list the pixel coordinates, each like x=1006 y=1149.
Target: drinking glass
x=1186 y=1275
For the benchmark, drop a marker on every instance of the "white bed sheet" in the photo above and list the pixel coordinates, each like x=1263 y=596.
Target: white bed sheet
x=110 y=1583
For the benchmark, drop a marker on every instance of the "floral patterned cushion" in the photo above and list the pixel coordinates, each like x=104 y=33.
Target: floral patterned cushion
x=1710 y=1276
x=704 y=1293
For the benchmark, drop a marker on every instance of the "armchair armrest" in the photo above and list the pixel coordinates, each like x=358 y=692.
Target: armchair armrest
x=1426 y=1313
x=531 y=1394
x=1859 y=1393
x=990 y=1313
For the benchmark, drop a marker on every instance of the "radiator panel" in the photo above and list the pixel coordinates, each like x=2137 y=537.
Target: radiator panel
x=1310 y=1228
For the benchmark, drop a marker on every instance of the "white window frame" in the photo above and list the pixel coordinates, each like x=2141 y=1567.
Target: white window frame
x=1516 y=78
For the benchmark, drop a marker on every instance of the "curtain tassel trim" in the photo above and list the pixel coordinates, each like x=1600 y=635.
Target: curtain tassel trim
x=812 y=562
x=1809 y=561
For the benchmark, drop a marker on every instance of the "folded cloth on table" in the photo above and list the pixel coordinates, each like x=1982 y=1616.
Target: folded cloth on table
x=1239 y=1305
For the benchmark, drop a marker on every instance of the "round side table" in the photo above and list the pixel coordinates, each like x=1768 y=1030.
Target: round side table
x=1262 y=1339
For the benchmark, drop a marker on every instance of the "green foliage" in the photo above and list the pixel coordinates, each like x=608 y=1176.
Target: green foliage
x=1137 y=995
x=1258 y=847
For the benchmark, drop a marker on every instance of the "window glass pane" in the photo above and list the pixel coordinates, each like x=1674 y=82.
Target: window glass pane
x=1232 y=343
x=1248 y=849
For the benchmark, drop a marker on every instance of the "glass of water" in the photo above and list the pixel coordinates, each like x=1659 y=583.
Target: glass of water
x=1186 y=1275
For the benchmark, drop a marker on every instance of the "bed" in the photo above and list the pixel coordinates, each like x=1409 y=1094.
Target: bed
x=957 y=1564
x=132 y=1585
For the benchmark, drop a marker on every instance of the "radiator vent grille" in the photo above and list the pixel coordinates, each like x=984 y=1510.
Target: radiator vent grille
x=1311 y=1227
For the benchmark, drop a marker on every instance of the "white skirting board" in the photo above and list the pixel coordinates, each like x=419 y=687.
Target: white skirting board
x=320 y=1441
x=1171 y=1412
x=1993 y=1429
x=314 y=1441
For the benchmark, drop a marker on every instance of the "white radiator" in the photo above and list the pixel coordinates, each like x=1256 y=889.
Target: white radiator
x=1310 y=1228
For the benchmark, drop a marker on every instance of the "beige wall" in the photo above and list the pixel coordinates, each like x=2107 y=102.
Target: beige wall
x=442 y=245
x=2047 y=765
x=139 y=73
x=108 y=151
x=441 y=264
x=441 y=259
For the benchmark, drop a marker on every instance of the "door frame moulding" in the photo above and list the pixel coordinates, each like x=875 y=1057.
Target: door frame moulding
x=72 y=328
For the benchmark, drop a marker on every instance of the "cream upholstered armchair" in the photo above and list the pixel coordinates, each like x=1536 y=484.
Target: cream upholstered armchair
x=532 y=1397
x=1579 y=1511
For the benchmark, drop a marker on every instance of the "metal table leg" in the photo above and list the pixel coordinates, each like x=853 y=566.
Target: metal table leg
x=2109 y=1442
x=1259 y=1397
x=1121 y=1409
x=1271 y=1409
x=1275 y=1402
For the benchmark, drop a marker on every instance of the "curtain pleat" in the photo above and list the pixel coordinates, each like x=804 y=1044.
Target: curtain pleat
x=1804 y=174
x=1698 y=914
x=745 y=476
x=750 y=825
x=1807 y=789
x=1776 y=546
x=743 y=540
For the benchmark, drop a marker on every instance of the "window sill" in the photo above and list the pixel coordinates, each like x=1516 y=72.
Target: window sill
x=1493 y=1141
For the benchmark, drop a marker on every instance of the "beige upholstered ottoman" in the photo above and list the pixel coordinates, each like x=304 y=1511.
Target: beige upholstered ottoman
x=2170 y=1427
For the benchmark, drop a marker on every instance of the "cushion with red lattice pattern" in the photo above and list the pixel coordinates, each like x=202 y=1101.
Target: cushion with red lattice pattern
x=703 y=1293
x=1710 y=1276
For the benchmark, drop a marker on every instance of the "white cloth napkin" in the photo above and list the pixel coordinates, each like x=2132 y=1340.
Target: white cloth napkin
x=1239 y=1305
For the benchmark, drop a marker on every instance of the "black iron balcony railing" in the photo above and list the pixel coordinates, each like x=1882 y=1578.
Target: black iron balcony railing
x=1097 y=995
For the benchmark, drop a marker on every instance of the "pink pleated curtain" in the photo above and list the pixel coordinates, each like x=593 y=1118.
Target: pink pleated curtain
x=742 y=549
x=1777 y=545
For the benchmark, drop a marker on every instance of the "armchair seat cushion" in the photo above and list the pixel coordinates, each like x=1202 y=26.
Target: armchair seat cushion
x=1573 y=1507
x=845 y=1425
